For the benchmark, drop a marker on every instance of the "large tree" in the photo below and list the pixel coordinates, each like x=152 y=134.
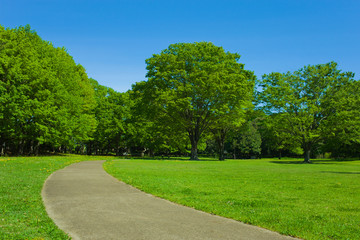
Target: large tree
x=193 y=85
x=302 y=102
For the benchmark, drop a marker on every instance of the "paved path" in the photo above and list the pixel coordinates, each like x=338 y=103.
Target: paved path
x=87 y=203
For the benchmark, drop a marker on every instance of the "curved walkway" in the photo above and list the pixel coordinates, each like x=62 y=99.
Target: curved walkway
x=87 y=203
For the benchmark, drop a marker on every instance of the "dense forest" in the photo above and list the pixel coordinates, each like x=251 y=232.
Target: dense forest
x=197 y=100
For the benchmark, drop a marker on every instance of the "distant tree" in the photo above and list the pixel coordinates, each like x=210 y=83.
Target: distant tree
x=112 y=112
x=194 y=85
x=303 y=102
x=221 y=128
x=250 y=140
x=244 y=141
x=275 y=140
x=342 y=128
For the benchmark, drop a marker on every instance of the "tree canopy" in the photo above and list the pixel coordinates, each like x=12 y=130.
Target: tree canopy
x=198 y=99
x=303 y=102
x=193 y=85
x=45 y=98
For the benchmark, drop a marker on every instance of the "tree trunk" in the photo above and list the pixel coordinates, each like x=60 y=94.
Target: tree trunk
x=2 y=151
x=83 y=149
x=221 y=153
x=21 y=148
x=31 y=151
x=151 y=153
x=220 y=136
x=194 y=152
x=142 y=153
x=307 y=151
x=88 y=148
x=36 y=148
x=221 y=147
x=220 y=139
x=194 y=135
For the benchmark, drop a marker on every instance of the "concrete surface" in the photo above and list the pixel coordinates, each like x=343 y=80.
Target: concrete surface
x=87 y=203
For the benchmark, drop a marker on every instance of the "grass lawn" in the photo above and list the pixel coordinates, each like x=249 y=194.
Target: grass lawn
x=310 y=201
x=22 y=214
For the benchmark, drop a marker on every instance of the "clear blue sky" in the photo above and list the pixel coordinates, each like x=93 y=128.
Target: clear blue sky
x=112 y=39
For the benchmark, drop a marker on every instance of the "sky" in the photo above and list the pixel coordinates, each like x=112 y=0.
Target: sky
x=112 y=39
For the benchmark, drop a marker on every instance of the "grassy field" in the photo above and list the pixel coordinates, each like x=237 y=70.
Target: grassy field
x=310 y=201
x=315 y=201
x=22 y=214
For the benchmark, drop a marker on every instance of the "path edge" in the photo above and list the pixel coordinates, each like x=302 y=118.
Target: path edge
x=49 y=210
x=203 y=212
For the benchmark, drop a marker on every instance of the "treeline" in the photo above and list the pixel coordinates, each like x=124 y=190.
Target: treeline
x=46 y=100
x=198 y=100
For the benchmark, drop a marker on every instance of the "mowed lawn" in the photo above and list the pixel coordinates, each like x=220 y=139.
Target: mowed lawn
x=22 y=213
x=310 y=201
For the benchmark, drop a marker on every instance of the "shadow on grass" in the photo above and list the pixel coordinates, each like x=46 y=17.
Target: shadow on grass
x=288 y=162
x=340 y=172
x=174 y=159
x=314 y=161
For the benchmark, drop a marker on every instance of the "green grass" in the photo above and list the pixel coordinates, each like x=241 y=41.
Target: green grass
x=310 y=201
x=22 y=213
x=315 y=201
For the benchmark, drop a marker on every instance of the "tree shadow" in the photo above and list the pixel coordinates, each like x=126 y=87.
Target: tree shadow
x=288 y=162
x=184 y=159
x=340 y=172
x=314 y=161
x=337 y=160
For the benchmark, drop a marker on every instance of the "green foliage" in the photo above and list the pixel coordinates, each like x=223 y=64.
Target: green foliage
x=45 y=98
x=192 y=86
x=277 y=140
x=342 y=128
x=111 y=113
x=303 y=103
x=245 y=142
x=318 y=201
x=195 y=93
x=153 y=136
